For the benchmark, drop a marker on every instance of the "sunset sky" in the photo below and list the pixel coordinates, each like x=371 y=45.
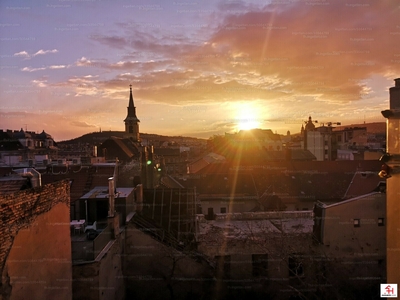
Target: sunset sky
x=197 y=68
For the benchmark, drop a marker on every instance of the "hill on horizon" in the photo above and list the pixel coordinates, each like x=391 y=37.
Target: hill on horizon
x=375 y=127
x=97 y=138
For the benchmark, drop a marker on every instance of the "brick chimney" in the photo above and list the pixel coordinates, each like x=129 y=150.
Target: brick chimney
x=111 y=197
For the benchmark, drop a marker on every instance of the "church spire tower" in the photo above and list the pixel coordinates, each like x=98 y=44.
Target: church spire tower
x=132 y=121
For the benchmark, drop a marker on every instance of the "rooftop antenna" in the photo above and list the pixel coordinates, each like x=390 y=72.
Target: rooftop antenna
x=26 y=127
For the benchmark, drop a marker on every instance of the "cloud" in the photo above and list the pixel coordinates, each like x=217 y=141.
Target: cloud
x=26 y=55
x=81 y=124
x=327 y=56
x=268 y=54
x=262 y=53
x=29 y=69
x=53 y=67
x=22 y=54
x=42 y=52
x=40 y=83
x=112 y=41
x=85 y=62
x=57 y=67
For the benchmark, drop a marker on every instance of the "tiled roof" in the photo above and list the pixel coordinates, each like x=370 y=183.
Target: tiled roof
x=123 y=145
x=7 y=142
x=11 y=184
x=210 y=158
x=82 y=179
x=5 y=171
x=363 y=183
x=167 y=151
x=128 y=148
x=291 y=181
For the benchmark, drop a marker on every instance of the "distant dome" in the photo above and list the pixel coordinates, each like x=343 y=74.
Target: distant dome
x=310 y=126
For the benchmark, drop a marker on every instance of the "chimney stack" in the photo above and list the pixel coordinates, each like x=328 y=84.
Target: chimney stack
x=111 y=197
x=395 y=95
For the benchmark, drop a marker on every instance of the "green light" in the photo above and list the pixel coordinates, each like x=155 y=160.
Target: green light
x=149 y=162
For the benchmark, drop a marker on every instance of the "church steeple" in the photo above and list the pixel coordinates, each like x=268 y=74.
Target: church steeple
x=131 y=120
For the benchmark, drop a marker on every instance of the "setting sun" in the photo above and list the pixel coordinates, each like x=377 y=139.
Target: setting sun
x=247 y=116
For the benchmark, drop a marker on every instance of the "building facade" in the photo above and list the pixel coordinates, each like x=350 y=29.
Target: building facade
x=393 y=185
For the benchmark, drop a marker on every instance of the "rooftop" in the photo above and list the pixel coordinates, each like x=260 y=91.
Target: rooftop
x=100 y=192
x=363 y=197
x=14 y=183
x=243 y=225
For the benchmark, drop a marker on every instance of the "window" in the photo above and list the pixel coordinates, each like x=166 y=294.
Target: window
x=223 y=210
x=210 y=211
x=210 y=214
x=356 y=222
x=381 y=222
x=295 y=266
x=260 y=265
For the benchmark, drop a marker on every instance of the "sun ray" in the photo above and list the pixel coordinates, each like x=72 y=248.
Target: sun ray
x=247 y=117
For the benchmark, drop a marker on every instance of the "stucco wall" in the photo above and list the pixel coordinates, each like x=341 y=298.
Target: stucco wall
x=368 y=238
x=155 y=271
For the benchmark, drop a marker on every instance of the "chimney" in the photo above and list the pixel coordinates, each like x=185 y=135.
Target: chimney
x=395 y=95
x=34 y=176
x=115 y=176
x=111 y=197
x=139 y=198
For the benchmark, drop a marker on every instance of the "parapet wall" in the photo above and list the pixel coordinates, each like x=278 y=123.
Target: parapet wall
x=307 y=214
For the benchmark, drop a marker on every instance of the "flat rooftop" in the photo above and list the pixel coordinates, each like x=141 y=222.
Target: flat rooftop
x=100 y=192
